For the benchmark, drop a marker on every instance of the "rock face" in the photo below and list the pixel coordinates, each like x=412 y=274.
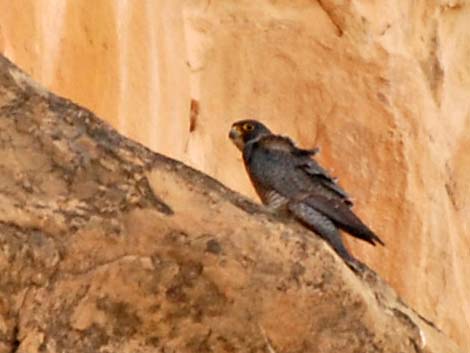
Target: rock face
x=106 y=246
x=381 y=86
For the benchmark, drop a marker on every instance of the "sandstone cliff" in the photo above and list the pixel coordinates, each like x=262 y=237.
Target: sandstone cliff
x=381 y=86
x=106 y=246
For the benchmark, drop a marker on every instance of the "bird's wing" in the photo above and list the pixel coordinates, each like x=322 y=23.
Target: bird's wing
x=342 y=216
x=273 y=167
x=277 y=143
x=284 y=143
x=275 y=151
x=320 y=175
x=306 y=152
x=305 y=163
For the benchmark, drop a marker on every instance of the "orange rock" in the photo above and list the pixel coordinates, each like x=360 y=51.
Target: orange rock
x=381 y=87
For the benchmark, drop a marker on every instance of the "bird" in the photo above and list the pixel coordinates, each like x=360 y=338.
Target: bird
x=289 y=180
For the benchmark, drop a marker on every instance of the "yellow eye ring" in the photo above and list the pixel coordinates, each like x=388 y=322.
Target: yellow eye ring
x=248 y=127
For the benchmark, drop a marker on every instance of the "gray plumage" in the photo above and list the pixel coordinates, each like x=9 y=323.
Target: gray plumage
x=287 y=177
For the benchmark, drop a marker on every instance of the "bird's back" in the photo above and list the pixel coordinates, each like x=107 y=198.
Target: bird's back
x=282 y=176
x=273 y=164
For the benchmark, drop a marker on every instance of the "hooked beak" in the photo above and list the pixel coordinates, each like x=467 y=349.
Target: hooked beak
x=234 y=133
x=236 y=136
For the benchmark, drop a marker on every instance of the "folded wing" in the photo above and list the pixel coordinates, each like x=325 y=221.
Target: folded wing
x=342 y=216
x=320 y=175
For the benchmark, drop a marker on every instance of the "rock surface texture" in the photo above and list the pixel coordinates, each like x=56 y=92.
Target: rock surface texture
x=382 y=87
x=106 y=246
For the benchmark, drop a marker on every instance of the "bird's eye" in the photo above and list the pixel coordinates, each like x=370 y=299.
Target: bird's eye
x=248 y=127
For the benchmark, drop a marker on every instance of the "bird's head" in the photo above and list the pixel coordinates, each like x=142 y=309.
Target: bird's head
x=244 y=131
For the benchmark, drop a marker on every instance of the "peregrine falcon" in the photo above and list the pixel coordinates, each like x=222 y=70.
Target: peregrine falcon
x=287 y=178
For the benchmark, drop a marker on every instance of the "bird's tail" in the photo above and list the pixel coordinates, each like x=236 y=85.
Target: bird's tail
x=343 y=217
x=326 y=229
x=363 y=232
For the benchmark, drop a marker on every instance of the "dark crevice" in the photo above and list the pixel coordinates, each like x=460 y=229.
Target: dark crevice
x=332 y=17
x=432 y=67
x=193 y=115
x=451 y=187
x=155 y=200
x=15 y=341
x=415 y=346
